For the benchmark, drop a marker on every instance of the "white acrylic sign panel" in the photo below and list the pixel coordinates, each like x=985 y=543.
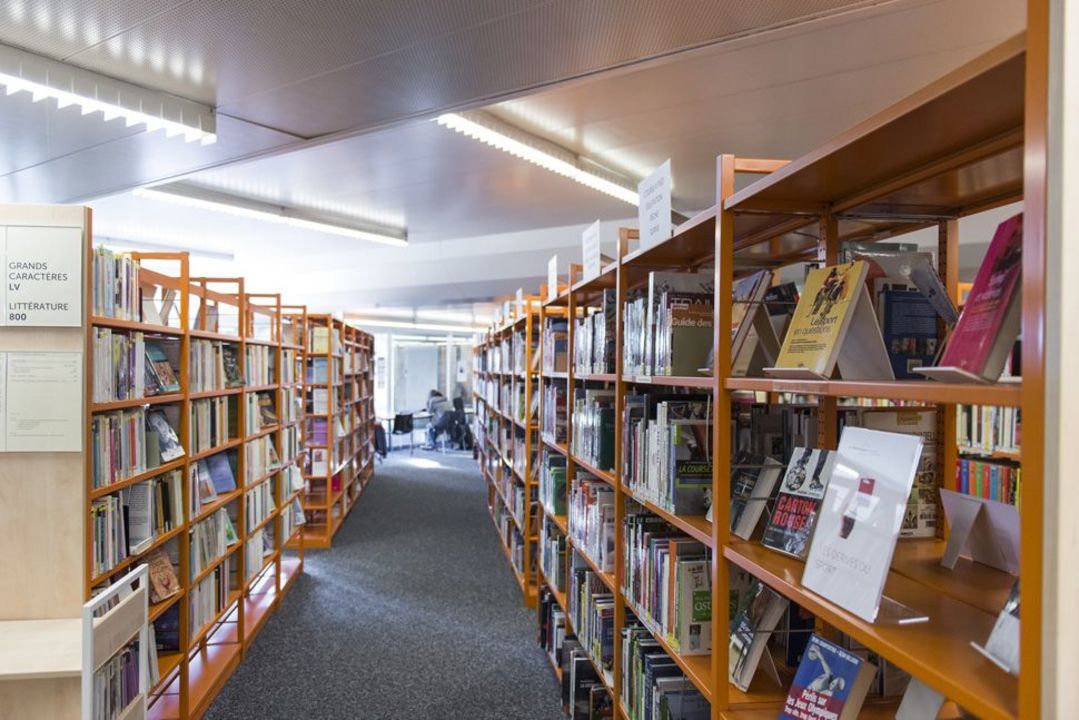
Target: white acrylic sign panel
x=552 y=277
x=520 y=301
x=654 y=209
x=42 y=404
x=42 y=276
x=590 y=253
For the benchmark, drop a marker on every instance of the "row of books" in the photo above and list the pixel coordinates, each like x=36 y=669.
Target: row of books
x=259 y=546
x=555 y=345
x=259 y=412
x=999 y=481
x=517 y=346
x=116 y=290
x=552 y=482
x=119 y=363
x=292 y=518
x=260 y=503
x=210 y=539
x=667 y=576
x=553 y=423
x=213 y=423
x=291 y=405
x=593 y=426
x=116 y=683
x=667 y=329
x=591 y=610
x=209 y=597
x=126 y=443
x=127 y=523
x=984 y=429
x=213 y=365
x=289 y=363
x=260 y=458
x=212 y=477
x=552 y=544
x=594 y=339
x=591 y=519
x=260 y=365
x=666 y=451
x=653 y=686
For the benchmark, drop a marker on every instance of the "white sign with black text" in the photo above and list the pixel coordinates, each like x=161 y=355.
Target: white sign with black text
x=552 y=277
x=41 y=408
x=590 y=251
x=654 y=210
x=43 y=276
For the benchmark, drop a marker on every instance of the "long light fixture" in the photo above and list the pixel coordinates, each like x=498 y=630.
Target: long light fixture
x=191 y=196
x=44 y=78
x=374 y=322
x=488 y=129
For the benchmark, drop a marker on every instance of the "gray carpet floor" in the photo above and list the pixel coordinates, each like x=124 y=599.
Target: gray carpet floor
x=413 y=614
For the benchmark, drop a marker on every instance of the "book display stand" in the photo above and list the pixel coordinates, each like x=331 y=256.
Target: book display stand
x=857 y=187
x=982 y=530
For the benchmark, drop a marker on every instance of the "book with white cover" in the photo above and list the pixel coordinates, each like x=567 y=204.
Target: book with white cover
x=860 y=520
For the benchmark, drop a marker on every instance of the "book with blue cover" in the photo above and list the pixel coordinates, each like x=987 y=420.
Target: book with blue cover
x=221 y=473
x=830 y=683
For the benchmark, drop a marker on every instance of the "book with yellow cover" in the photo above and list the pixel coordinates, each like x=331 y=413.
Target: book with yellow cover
x=822 y=317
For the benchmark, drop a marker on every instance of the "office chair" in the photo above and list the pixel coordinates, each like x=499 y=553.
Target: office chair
x=402 y=425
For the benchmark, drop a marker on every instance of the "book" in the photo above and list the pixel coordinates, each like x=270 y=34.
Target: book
x=267 y=412
x=830 y=683
x=798 y=504
x=751 y=628
x=920 y=518
x=833 y=309
x=159 y=369
x=851 y=550
x=230 y=356
x=221 y=472
x=983 y=337
x=169 y=447
x=909 y=327
x=753 y=480
x=749 y=293
x=163 y=580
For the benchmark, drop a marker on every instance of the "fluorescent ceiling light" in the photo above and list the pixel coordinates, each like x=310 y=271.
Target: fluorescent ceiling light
x=195 y=197
x=488 y=129
x=469 y=329
x=45 y=78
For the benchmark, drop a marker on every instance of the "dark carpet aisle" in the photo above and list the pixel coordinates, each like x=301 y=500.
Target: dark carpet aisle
x=414 y=614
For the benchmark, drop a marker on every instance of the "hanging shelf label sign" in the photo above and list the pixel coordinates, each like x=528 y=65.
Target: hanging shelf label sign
x=590 y=251
x=520 y=302
x=654 y=209
x=43 y=276
x=552 y=277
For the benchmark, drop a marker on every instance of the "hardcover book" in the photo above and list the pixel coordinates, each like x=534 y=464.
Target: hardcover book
x=230 y=356
x=798 y=504
x=163 y=581
x=168 y=444
x=159 y=369
x=751 y=628
x=221 y=473
x=909 y=324
x=830 y=683
x=983 y=338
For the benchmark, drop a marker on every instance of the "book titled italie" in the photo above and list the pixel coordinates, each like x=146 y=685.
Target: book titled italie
x=831 y=684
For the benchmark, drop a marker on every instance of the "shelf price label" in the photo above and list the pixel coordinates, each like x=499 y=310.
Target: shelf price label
x=654 y=209
x=42 y=276
x=590 y=254
x=552 y=277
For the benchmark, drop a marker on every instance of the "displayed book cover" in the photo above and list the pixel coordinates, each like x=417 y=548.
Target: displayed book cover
x=751 y=629
x=167 y=629
x=909 y=326
x=920 y=519
x=163 y=580
x=799 y=500
x=159 y=369
x=990 y=321
x=168 y=443
x=830 y=683
x=230 y=356
x=221 y=472
x=692 y=626
x=753 y=481
x=267 y=412
x=864 y=505
x=691 y=465
x=822 y=317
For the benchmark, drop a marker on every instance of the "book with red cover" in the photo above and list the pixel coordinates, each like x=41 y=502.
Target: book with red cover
x=990 y=318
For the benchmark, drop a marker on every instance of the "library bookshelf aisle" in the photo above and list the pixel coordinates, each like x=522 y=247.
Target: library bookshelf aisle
x=339 y=424
x=957 y=147
x=507 y=416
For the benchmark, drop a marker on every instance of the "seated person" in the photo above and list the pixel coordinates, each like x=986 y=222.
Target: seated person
x=442 y=417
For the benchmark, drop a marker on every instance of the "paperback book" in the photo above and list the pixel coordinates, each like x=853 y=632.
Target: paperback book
x=830 y=683
x=798 y=504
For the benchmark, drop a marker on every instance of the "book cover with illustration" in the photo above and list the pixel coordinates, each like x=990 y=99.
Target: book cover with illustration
x=798 y=504
x=990 y=320
x=822 y=317
x=830 y=684
x=751 y=628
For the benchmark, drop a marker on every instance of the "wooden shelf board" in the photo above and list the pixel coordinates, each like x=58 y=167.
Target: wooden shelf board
x=605 y=475
x=216 y=504
x=135 y=557
x=606 y=577
x=104 y=490
x=257 y=610
x=927 y=391
x=977 y=585
x=691 y=243
x=203 y=454
x=156 y=610
x=208 y=671
x=558 y=448
x=222 y=337
x=693 y=525
x=147 y=328
x=595 y=377
x=269 y=387
x=678 y=381
x=937 y=651
x=110 y=405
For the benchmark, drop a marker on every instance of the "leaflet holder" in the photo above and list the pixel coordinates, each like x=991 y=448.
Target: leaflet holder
x=759 y=348
x=983 y=530
x=862 y=355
